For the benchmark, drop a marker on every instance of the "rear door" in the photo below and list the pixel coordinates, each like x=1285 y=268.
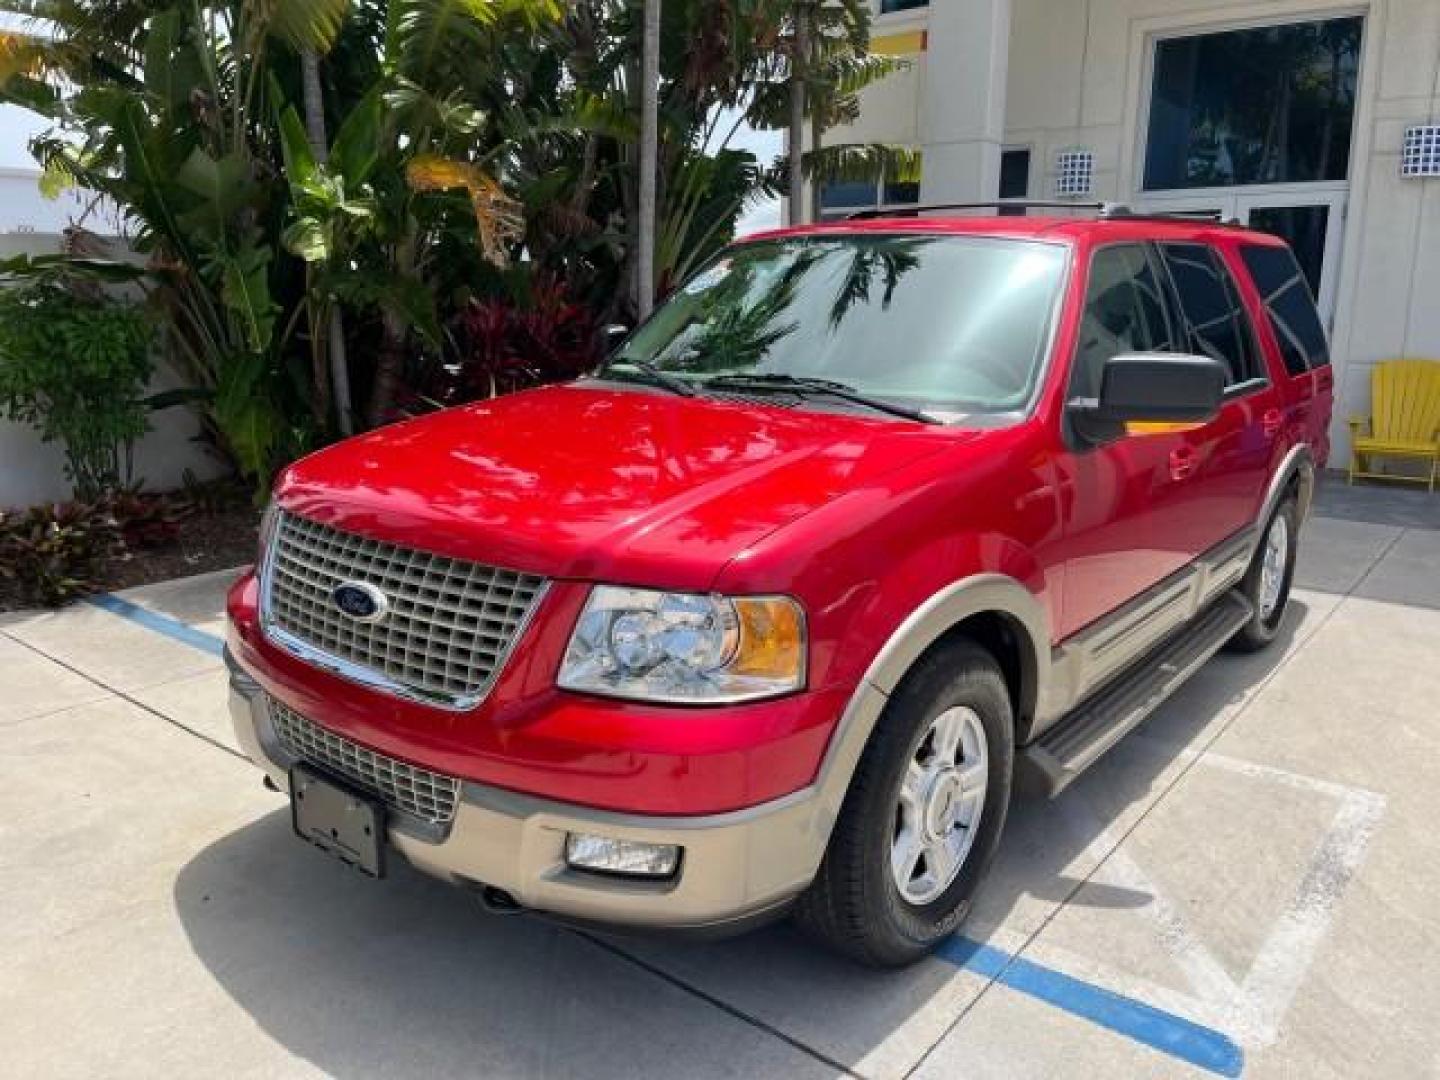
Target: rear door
x=1292 y=321
x=1229 y=459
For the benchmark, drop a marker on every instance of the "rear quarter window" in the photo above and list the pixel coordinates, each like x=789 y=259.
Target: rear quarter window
x=1289 y=306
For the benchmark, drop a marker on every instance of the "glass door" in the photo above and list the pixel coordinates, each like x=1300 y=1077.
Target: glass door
x=1312 y=226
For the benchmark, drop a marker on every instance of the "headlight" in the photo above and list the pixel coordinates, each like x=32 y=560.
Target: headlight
x=685 y=648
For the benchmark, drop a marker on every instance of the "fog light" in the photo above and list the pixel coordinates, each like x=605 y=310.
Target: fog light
x=632 y=858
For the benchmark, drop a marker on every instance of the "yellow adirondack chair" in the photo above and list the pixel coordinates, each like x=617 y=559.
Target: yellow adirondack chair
x=1404 y=420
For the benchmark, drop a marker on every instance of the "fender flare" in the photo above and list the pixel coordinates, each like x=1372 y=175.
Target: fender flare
x=982 y=594
x=1298 y=464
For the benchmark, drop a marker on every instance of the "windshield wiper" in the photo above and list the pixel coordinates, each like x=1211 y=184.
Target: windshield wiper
x=654 y=375
x=764 y=380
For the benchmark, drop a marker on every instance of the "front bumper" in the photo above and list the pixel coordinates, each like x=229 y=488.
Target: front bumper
x=736 y=867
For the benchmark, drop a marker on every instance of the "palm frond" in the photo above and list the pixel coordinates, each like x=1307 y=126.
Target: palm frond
x=498 y=217
x=301 y=24
x=872 y=162
x=22 y=54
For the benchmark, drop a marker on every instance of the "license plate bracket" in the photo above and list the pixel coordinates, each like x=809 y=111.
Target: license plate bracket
x=338 y=819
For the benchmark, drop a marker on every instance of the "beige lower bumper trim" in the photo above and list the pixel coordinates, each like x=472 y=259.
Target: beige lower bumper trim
x=734 y=865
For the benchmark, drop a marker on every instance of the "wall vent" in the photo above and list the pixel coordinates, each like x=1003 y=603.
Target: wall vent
x=1420 y=154
x=1074 y=173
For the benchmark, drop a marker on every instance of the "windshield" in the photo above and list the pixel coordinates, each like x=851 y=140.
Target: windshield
x=947 y=324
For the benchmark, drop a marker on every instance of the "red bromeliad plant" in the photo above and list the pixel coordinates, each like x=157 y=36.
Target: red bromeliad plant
x=505 y=345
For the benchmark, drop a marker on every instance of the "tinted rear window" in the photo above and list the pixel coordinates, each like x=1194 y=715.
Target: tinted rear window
x=1215 y=319
x=1292 y=312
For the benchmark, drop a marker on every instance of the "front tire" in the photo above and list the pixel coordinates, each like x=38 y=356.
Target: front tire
x=923 y=816
x=1266 y=585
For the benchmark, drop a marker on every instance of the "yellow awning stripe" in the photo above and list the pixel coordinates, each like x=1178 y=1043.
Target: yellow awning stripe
x=906 y=44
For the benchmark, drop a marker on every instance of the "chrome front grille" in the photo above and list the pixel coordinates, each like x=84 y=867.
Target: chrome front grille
x=405 y=788
x=449 y=626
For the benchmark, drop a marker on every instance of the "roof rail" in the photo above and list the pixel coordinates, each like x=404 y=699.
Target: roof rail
x=1119 y=211
x=1106 y=211
x=991 y=204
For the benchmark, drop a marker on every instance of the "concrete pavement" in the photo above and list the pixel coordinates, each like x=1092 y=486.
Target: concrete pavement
x=1254 y=873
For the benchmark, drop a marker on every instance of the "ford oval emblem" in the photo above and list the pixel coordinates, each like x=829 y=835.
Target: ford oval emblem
x=360 y=600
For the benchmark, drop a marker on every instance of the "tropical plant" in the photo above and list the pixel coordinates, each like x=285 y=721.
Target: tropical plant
x=536 y=335
x=50 y=554
x=146 y=519
x=820 y=64
x=74 y=363
x=322 y=186
x=162 y=108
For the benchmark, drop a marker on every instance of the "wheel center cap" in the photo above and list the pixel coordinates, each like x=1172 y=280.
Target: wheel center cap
x=941 y=803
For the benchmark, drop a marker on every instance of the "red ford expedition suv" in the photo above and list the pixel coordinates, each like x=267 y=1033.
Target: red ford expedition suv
x=868 y=525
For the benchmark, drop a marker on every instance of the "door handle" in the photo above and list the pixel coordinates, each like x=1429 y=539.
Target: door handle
x=1183 y=462
x=1271 y=422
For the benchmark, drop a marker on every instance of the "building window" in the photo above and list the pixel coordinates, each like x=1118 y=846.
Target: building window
x=887 y=6
x=1014 y=179
x=840 y=198
x=1269 y=105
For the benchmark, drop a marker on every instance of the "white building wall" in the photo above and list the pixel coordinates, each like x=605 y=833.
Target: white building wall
x=1077 y=78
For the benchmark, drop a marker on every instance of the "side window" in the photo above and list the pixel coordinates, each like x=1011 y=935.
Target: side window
x=1292 y=311
x=1125 y=312
x=1216 y=323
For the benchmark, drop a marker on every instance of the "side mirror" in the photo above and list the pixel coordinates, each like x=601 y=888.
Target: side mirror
x=1151 y=391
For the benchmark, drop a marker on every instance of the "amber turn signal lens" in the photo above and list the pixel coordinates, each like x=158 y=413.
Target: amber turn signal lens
x=1160 y=427
x=772 y=639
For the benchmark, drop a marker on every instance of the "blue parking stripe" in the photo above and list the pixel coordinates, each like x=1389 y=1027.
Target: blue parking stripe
x=1160 y=1030
x=161 y=624
x=1163 y=1031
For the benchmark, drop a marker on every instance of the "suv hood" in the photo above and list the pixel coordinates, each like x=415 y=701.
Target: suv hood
x=588 y=481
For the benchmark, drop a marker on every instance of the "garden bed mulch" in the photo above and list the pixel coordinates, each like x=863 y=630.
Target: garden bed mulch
x=204 y=542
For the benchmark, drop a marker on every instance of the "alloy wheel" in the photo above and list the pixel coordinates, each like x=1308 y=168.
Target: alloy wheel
x=1273 y=564
x=942 y=796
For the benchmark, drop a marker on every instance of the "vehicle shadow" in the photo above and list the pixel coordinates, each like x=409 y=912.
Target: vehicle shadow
x=409 y=977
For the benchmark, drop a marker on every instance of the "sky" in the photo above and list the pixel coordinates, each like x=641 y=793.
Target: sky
x=17 y=127
x=766 y=146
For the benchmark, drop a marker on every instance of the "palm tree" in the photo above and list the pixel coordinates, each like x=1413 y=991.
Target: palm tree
x=314 y=102
x=799 y=71
x=826 y=63
x=649 y=154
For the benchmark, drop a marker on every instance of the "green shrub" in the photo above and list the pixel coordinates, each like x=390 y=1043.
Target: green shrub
x=74 y=363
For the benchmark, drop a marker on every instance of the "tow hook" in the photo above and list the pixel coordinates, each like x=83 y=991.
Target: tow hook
x=499 y=902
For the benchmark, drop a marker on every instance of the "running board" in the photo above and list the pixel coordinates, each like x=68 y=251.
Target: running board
x=1078 y=740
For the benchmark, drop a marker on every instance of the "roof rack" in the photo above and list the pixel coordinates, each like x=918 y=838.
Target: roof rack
x=1105 y=211
x=1119 y=211
x=992 y=204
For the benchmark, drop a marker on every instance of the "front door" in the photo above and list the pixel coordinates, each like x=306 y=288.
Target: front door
x=1308 y=217
x=1125 y=503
